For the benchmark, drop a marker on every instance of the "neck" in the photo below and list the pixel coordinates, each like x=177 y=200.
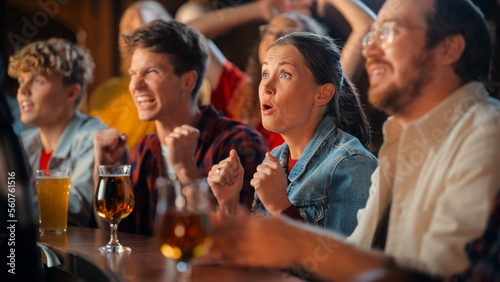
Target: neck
x=50 y=135
x=297 y=139
x=189 y=116
x=442 y=87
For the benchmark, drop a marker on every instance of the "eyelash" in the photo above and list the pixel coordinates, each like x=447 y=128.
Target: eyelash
x=285 y=73
x=281 y=75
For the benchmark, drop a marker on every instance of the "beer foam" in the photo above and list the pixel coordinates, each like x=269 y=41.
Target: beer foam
x=114 y=175
x=52 y=177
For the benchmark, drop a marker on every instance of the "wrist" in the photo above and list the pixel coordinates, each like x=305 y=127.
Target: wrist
x=187 y=174
x=277 y=209
x=230 y=207
x=263 y=10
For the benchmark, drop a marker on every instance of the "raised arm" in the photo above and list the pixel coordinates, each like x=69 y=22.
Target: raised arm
x=216 y=22
x=213 y=23
x=360 y=18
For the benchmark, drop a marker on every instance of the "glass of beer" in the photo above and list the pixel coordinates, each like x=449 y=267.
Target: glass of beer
x=182 y=224
x=52 y=188
x=113 y=201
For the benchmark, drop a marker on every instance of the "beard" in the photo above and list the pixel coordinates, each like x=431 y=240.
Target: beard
x=396 y=99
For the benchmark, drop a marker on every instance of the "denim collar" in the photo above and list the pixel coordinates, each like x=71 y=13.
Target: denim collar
x=325 y=130
x=31 y=138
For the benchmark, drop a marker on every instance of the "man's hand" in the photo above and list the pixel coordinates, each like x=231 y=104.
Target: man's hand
x=256 y=241
x=181 y=147
x=226 y=181
x=270 y=183
x=109 y=146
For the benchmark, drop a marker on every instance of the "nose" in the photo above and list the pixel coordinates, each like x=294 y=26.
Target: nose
x=370 y=48
x=267 y=86
x=23 y=89
x=136 y=83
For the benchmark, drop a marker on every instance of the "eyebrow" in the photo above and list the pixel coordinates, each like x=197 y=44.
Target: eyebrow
x=148 y=67
x=280 y=64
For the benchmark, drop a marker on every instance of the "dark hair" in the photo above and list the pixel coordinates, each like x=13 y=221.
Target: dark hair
x=452 y=17
x=322 y=57
x=186 y=46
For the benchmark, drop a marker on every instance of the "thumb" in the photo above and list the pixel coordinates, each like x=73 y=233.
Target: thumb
x=234 y=155
x=123 y=138
x=271 y=158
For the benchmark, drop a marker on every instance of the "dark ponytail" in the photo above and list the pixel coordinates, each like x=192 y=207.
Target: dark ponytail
x=351 y=118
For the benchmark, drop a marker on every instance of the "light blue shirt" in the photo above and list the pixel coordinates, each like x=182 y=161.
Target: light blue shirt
x=330 y=181
x=75 y=150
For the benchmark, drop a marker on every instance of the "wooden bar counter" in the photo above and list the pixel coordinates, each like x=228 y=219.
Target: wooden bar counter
x=80 y=259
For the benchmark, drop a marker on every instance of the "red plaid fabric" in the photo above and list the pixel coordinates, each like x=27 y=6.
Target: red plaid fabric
x=218 y=135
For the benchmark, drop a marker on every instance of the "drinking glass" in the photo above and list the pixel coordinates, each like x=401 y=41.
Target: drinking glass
x=113 y=201
x=53 y=190
x=182 y=224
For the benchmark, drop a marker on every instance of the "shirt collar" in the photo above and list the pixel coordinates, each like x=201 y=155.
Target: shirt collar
x=434 y=126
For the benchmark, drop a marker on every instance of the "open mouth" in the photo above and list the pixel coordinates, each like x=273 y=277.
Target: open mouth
x=266 y=107
x=26 y=106
x=378 y=71
x=144 y=100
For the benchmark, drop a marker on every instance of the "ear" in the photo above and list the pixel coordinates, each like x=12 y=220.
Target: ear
x=188 y=80
x=73 y=91
x=324 y=94
x=452 y=49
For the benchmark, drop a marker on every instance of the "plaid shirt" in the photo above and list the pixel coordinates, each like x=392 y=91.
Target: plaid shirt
x=218 y=135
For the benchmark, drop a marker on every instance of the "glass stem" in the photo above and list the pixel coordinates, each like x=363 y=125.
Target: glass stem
x=114 y=240
x=184 y=271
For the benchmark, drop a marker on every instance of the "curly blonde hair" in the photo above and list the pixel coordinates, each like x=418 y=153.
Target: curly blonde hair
x=54 y=56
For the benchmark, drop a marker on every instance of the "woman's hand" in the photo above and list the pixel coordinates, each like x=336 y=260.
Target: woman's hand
x=270 y=183
x=226 y=181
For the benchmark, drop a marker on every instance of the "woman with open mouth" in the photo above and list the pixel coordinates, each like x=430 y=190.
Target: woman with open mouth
x=321 y=174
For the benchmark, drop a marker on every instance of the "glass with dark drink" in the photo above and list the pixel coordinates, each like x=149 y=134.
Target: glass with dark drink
x=113 y=201
x=182 y=224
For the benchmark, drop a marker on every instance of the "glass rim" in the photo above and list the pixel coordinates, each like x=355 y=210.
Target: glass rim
x=106 y=170
x=109 y=166
x=50 y=171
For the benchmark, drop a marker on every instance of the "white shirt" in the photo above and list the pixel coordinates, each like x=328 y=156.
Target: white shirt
x=170 y=172
x=441 y=174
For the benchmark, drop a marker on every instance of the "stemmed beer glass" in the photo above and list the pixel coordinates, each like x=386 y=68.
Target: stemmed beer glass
x=113 y=201
x=182 y=224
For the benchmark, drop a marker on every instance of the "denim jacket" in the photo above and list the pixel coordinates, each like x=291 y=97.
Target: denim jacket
x=75 y=150
x=330 y=181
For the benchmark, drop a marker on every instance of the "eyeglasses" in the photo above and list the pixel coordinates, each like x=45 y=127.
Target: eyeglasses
x=275 y=31
x=384 y=35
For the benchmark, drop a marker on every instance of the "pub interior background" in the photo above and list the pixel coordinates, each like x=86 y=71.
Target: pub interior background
x=94 y=25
